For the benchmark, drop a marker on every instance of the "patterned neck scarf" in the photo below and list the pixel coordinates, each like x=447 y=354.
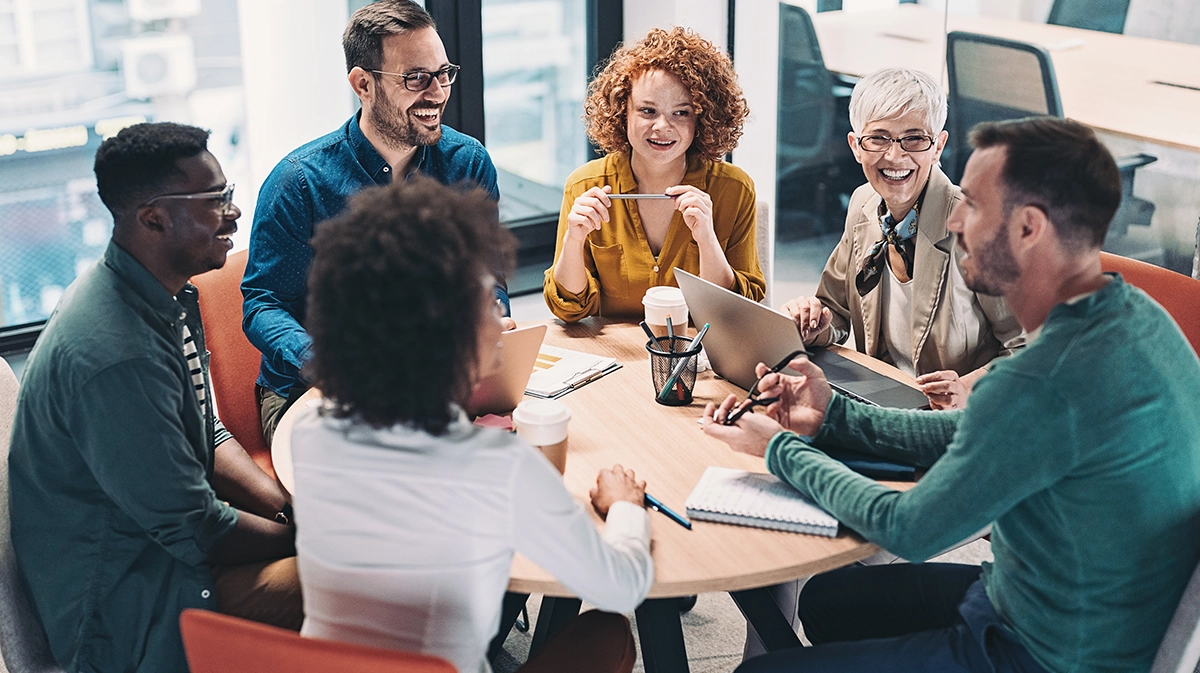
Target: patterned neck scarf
x=898 y=234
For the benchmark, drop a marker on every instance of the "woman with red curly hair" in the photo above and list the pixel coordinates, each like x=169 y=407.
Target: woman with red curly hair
x=665 y=112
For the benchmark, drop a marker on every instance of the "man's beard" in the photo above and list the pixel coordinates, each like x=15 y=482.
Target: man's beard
x=996 y=265
x=399 y=130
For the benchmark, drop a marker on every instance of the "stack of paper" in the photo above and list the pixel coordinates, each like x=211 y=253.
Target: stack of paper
x=558 y=371
x=746 y=498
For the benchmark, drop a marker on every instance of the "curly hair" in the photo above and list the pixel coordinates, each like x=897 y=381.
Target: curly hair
x=393 y=301
x=707 y=73
x=139 y=162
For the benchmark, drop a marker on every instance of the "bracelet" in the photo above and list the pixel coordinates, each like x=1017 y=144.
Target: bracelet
x=284 y=515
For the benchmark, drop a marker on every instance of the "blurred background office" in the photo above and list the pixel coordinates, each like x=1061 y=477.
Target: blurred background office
x=268 y=75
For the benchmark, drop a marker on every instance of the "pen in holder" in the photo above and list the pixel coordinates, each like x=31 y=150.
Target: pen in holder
x=673 y=383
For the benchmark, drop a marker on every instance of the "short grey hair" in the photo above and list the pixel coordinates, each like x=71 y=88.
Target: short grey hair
x=895 y=92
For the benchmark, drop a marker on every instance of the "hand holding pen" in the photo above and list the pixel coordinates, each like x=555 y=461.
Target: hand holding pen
x=588 y=212
x=618 y=483
x=614 y=484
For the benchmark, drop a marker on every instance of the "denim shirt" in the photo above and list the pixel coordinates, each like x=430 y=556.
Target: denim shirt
x=113 y=511
x=311 y=185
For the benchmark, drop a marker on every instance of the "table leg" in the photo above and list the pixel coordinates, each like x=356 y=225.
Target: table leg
x=661 y=636
x=760 y=610
x=508 y=615
x=552 y=616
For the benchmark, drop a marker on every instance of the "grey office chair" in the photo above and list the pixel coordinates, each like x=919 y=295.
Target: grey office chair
x=1104 y=15
x=993 y=79
x=1179 y=651
x=814 y=165
x=22 y=639
x=1196 y=255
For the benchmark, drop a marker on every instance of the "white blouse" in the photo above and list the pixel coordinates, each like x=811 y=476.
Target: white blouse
x=405 y=540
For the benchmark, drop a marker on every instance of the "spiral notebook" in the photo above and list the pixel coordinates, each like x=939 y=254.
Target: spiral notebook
x=746 y=498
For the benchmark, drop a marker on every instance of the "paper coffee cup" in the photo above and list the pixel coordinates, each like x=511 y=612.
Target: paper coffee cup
x=543 y=423
x=662 y=301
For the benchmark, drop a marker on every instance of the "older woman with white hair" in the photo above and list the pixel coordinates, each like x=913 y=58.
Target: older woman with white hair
x=894 y=278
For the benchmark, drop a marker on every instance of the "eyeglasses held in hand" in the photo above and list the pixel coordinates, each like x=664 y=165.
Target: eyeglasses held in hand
x=420 y=81
x=753 y=400
x=224 y=198
x=884 y=143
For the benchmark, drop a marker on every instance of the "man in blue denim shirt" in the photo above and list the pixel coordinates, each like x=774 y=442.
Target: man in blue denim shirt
x=399 y=70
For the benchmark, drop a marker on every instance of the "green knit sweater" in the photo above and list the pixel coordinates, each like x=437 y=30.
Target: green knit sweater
x=1083 y=449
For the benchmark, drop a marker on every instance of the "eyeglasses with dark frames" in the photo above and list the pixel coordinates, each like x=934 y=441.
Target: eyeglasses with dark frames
x=420 y=81
x=753 y=400
x=224 y=197
x=884 y=143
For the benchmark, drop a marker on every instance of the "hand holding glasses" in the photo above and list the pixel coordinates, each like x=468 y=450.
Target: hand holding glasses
x=420 y=80
x=753 y=400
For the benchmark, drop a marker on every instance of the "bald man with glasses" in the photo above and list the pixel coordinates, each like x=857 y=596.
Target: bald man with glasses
x=397 y=66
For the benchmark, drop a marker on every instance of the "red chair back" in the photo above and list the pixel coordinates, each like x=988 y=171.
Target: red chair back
x=235 y=362
x=1177 y=293
x=217 y=643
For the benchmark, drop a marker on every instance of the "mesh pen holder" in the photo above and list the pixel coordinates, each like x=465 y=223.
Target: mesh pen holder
x=666 y=354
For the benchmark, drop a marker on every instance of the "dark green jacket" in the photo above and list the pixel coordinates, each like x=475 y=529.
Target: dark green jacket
x=1084 y=449
x=113 y=512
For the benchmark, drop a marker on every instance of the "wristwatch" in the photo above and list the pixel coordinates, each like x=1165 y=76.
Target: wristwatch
x=284 y=515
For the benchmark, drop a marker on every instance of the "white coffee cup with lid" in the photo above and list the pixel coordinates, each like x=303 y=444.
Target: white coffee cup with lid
x=543 y=423
x=662 y=301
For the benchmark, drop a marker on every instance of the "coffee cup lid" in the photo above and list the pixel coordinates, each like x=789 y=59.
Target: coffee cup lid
x=542 y=412
x=663 y=295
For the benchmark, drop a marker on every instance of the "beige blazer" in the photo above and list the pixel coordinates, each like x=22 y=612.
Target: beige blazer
x=949 y=333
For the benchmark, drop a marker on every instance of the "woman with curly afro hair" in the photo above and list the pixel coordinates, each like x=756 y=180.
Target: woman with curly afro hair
x=412 y=514
x=665 y=112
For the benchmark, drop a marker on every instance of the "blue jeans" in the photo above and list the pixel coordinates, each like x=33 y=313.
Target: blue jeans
x=902 y=617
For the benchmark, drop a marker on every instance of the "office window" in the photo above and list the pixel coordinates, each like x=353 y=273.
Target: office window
x=534 y=83
x=100 y=66
x=40 y=36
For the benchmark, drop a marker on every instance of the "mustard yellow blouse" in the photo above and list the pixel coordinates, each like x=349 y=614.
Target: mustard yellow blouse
x=619 y=262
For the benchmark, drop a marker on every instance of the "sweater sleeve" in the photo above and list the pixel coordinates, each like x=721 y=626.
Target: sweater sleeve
x=1004 y=448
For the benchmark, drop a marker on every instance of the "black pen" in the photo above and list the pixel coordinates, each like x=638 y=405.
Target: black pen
x=656 y=505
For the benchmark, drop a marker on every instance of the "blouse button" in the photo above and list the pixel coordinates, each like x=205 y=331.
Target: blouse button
x=656 y=269
x=387 y=170
x=205 y=593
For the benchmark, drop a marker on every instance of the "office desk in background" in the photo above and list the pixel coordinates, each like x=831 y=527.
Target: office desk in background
x=1130 y=86
x=615 y=420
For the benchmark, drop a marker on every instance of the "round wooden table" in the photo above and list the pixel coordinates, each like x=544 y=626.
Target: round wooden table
x=616 y=420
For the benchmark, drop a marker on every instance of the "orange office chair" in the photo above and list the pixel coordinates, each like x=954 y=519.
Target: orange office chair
x=235 y=361
x=1176 y=292
x=217 y=643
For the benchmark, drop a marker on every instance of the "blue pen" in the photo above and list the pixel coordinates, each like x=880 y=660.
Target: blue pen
x=656 y=505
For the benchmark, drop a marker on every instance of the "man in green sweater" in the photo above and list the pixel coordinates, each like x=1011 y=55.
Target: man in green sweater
x=1083 y=451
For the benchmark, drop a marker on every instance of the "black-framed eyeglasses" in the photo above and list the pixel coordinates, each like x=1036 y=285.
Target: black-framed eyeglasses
x=224 y=197
x=884 y=143
x=753 y=400
x=420 y=81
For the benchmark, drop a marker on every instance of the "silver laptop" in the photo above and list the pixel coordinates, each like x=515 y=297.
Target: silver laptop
x=500 y=391
x=743 y=333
